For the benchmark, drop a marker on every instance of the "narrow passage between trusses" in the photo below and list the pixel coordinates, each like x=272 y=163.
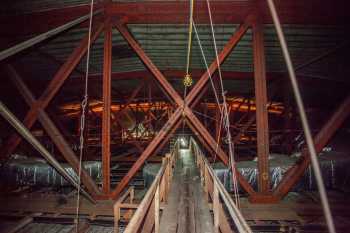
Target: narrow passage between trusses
x=187 y=209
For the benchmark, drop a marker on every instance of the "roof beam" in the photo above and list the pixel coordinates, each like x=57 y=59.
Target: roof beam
x=175 y=12
x=44 y=36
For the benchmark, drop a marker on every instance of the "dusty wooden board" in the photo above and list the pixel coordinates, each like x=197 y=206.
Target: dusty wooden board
x=53 y=204
x=187 y=209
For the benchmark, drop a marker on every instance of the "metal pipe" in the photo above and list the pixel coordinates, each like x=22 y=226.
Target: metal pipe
x=305 y=124
x=7 y=114
x=35 y=40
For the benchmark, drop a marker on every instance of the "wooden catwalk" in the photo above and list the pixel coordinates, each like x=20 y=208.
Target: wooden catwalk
x=187 y=209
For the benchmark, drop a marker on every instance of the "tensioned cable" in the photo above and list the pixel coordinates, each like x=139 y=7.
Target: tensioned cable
x=209 y=75
x=212 y=118
x=217 y=59
x=82 y=120
x=189 y=37
x=305 y=124
x=188 y=58
x=226 y=120
x=224 y=107
x=215 y=46
x=205 y=63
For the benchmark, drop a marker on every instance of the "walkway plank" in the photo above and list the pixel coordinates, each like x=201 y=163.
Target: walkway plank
x=187 y=209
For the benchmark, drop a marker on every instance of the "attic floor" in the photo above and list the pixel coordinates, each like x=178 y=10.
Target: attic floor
x=187 y=209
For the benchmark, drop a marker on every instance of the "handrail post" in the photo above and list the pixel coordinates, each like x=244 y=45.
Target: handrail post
x=168 y=174
x=216 y=207
x=116 y=217
x=165 y=162
x=206 y=188
x=156 y=210
x=131 y=200
x=132 y=194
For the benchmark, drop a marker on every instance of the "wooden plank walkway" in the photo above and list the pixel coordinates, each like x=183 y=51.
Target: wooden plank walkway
x=187 y=210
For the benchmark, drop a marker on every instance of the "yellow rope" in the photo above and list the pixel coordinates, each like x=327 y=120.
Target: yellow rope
x=188 y=79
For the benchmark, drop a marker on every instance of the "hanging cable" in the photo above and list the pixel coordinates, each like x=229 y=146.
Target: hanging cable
x=205 y=63
x=224 y=111
x=189 y=45
x=304 y=121
x=187 y=81
x=82 y=120
x=215 y=46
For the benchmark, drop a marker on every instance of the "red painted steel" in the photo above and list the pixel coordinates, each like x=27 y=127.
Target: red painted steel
x=157 y=140
x=261 y=107
x=322 y=138
x=106 y=114
x=149 y=64
x=52 y=89
x=53 y=132
x=181 y=110
x=173 y=12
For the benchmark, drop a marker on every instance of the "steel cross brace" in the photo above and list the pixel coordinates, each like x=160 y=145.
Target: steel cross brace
x=181 y=110
x=52 y=131
x=321 y=139
x=51 y=90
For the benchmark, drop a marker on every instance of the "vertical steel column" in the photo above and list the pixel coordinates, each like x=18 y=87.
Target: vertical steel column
x=106 y=114
x=261 y=107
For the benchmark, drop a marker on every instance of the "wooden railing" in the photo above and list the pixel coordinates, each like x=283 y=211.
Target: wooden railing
x=146 y=216
x=224 y=208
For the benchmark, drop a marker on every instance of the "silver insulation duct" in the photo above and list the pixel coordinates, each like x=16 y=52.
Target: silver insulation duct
x=26 y=134
x=334 y=169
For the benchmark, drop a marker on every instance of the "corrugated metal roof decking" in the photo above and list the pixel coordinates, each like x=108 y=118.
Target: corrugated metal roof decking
x=61 y=228
x=166 y=46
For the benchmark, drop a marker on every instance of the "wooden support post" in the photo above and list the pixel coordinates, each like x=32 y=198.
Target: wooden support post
x=261 y=108
x=116 y=217
x=206 y=177
x=216 y=206
x=168 y=174
x=156 y=209
x=106 y=114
